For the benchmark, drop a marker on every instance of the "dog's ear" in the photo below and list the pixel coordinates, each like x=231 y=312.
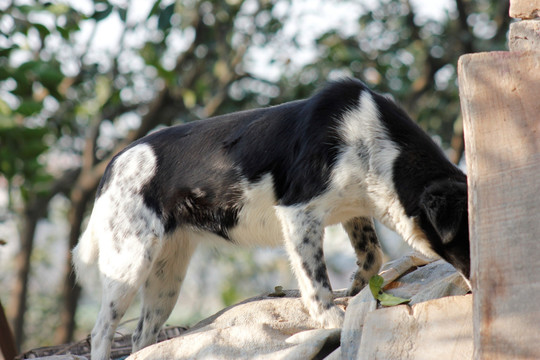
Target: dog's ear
x=445 y=204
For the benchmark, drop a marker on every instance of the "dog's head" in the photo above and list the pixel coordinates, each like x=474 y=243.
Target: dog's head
x=444 y=219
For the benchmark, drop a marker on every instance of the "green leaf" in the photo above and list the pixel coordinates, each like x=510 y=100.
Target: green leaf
x=58 y=8
x=155 y=9
x=43 y=30
x=29 y=107
x=20 y=148
x=123 y=14
x=375 y=285
x=4 y=108
x=63 y=32
x=103 y=89
x=391 y=300
x=4 y=52
x=190 y=98
x=102 y=14
x=164 y=20
x=29 y=65
x=50 y=76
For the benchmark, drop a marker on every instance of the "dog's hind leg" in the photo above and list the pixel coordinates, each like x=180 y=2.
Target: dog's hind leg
x=117 y=296
x=129 y=241
x=124 y=266
x=366 y=245
x=161 y=288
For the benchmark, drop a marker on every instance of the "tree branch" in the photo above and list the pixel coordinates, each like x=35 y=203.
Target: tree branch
x=466 y=34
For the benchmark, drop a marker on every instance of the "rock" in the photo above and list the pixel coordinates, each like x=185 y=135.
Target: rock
x=361 y=305
x=524 y=9
x=413 y=277
x=273 y=327
x=269 y=327
x=262 y=327
x=524 y=35
x=436 y=329
x=60 y=357
x=432 y=281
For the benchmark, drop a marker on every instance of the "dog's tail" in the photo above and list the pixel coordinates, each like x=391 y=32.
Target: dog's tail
x=85 y=254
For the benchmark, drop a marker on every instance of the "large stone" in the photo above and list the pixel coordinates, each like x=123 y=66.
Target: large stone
x=524 y=9
x=273 y=327
x=436 y=329
x=413 y=277
x=60 y=357
x=263 y=327
x=524 y=35
x=280 y=328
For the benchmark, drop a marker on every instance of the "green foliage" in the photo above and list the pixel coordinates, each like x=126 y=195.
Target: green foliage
x=411 y=57
x=30 y=77
x=20 y=149
x=53 y=91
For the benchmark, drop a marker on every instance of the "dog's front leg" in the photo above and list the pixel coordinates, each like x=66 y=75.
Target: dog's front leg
x=303 y=233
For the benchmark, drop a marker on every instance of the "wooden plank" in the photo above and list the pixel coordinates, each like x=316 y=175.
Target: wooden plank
x=500 y=102
x=524 y=9
x=524 y=35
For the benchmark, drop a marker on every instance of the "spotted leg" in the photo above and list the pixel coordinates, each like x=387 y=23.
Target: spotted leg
x=303 y=235
x=364 y=240
x=161 y=289
x=122 y=273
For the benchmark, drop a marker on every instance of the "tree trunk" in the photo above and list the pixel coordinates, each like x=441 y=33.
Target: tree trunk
x=33 y=212
x=7 y=342
x=17 y=306
x=80 y=197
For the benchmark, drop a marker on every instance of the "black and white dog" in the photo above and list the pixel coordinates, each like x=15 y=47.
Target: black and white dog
x=271 y=176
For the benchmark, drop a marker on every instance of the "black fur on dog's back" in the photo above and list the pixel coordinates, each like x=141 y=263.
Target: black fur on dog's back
x=300 y=135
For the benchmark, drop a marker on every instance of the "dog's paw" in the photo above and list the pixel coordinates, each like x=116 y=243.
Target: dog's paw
x=356 y=287
x=331 y=318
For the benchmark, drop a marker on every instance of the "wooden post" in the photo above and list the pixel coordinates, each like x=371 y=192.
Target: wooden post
x=500 y=101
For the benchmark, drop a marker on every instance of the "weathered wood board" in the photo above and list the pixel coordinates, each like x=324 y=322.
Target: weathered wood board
x=500 y=101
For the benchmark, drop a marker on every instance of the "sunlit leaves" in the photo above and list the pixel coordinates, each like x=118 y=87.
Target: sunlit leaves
x=164 y=18
x=20 y=148
x=102 y=11
x=401 y=51
x=29 y=107
x=58 y=8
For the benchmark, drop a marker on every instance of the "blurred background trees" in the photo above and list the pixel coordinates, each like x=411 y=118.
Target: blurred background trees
x=79 y=80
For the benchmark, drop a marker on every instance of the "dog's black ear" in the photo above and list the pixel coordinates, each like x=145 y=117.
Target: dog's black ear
x=445 y=204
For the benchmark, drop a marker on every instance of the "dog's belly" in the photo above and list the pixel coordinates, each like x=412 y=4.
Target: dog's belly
x=258 y=224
